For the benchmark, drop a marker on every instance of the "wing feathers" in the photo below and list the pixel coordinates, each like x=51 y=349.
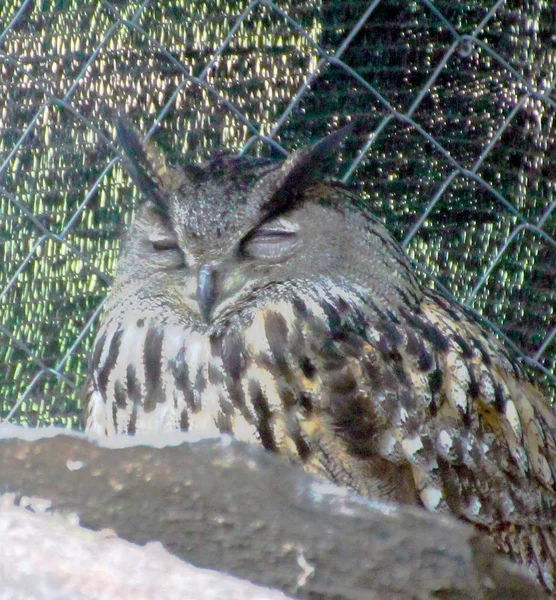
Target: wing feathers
x=439 y=400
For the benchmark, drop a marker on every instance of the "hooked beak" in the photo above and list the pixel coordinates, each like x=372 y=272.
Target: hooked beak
x=207 y=291
x=217 y=283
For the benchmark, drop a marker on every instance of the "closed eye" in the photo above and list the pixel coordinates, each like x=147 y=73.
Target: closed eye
x=268 y=234
x=163 y=245
x=162 y=242
x=167 y=250
x=273 y=243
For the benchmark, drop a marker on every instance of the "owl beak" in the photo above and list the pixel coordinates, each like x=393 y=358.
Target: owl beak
x=207 y=291
x=217 y=285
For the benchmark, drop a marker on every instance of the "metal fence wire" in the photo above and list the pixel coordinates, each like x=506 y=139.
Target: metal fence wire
x=459 y=161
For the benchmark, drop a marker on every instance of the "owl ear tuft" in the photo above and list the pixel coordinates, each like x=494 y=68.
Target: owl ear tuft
x=145 y=165
x=301 y=170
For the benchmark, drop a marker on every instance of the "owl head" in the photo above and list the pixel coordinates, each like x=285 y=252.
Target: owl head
x=211 y=241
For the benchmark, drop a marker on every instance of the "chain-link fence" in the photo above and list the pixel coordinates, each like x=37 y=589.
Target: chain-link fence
x=459 y=162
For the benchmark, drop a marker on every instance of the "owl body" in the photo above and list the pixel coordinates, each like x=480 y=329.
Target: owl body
x=254 y=298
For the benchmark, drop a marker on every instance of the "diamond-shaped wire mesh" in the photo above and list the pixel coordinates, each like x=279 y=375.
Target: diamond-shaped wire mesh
x=461 y=105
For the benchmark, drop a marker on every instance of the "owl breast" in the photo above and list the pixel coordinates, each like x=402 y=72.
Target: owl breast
x=237 y=376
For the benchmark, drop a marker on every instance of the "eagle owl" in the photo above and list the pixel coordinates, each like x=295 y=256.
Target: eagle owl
x=255 y=297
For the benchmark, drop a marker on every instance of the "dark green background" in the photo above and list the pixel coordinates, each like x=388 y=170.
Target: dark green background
x=396 y=51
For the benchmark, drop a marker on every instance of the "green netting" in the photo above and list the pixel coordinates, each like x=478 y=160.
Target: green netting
x=459 y=97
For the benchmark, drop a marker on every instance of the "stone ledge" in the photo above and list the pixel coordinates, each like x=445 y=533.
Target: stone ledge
x=225 y=505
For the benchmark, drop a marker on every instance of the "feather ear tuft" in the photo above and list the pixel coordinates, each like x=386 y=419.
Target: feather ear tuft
x=145 y=165
x=301 y=170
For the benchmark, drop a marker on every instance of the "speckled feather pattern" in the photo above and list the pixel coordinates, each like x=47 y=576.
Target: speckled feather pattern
x=390 y=390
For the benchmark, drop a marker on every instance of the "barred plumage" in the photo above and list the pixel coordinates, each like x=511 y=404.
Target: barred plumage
x=254 y=298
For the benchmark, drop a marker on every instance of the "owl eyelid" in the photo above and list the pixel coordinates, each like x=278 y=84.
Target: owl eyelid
x=278 y=227
x=163 y=245
x=161 y=242
x=269 y=245
x=272 y=233
x=259 y=238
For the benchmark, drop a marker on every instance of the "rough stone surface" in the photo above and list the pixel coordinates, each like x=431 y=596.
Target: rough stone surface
x=57 y=560
x=224 y=505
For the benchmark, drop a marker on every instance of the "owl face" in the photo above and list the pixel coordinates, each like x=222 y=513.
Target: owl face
x=213 y=241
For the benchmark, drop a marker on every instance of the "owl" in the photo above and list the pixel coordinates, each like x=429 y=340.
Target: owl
x=257 y=298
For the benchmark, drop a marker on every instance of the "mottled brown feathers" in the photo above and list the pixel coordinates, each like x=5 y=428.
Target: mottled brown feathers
x=287 y=316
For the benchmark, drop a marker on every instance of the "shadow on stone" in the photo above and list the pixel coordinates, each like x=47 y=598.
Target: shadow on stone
x=224 y=505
